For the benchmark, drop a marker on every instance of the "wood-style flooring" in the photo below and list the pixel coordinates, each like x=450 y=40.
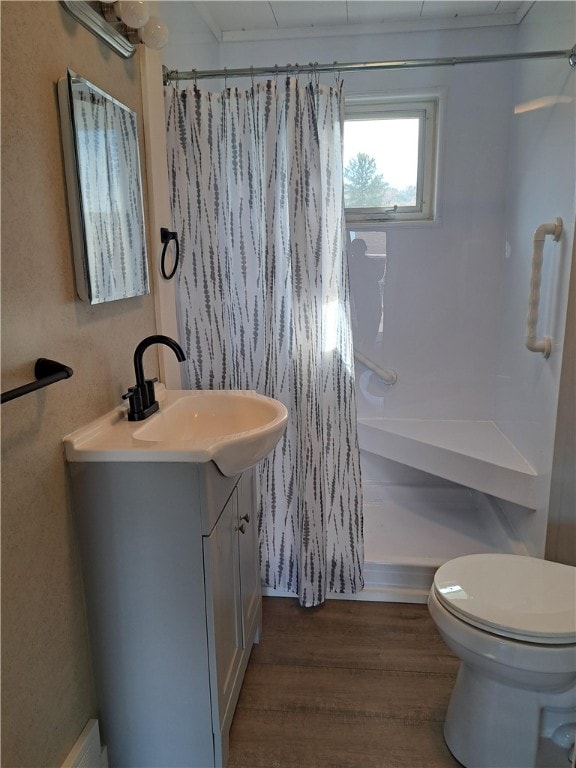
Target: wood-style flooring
x=350 y=684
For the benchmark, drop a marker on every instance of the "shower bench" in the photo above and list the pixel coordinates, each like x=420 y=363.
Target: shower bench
x=476 y=454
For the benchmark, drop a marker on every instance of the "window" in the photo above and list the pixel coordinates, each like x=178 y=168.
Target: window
x=389 y=160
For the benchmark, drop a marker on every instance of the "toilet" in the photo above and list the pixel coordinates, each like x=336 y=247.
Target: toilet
x=512 y=622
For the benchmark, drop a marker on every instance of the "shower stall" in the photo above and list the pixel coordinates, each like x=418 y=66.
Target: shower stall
x=457 y=453
x=456 y=416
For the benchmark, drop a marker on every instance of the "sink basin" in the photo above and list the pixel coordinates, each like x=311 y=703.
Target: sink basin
x=210 y=414
x=237 y=428
x=233 y=428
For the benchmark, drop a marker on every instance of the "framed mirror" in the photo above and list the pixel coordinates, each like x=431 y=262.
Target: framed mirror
x=102 y=164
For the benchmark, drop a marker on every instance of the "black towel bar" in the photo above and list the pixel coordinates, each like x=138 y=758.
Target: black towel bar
x=46 y=372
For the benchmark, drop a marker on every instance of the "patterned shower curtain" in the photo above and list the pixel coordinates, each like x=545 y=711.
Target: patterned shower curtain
x=257 y=201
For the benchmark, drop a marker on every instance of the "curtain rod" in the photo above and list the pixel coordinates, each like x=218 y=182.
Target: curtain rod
x=174 y=75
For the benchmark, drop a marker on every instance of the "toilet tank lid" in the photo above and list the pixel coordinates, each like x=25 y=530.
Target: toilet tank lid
x=522 y=597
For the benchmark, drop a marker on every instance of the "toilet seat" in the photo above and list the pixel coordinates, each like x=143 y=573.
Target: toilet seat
x=524 y=598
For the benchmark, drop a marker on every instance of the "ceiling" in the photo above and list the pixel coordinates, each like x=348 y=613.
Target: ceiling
x=258 y=20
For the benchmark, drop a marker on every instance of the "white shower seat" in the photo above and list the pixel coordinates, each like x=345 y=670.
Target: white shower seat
x=472 y=453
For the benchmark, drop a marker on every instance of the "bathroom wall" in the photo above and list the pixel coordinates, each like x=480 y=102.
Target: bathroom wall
x=192 y=45
x=540 y=188
x=442 y=284
x=561 y=540
x=47 y=692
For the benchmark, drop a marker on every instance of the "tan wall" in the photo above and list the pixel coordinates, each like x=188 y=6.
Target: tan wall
x=47 y=692
x=561 y=541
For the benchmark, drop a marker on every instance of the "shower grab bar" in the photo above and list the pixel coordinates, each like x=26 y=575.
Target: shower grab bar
x=46 y=372
x=389 y=377
x=544 y=344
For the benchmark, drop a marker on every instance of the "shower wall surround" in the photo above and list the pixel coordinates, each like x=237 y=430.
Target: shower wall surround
x=443 y=278
x=540 y=175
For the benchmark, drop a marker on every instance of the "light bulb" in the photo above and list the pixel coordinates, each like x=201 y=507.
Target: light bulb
x=154 y=34
x=134 y=13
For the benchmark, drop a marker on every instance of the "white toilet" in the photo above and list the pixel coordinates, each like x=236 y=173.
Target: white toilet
x=512 y=622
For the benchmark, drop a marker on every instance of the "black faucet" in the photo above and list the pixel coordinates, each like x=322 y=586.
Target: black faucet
x=142 y=398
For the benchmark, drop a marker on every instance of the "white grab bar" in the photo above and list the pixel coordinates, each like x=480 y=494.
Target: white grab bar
x=389 y=377
x=543 y=345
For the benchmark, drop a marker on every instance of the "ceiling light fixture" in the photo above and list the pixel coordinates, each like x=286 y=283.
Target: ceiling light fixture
x=120 y=24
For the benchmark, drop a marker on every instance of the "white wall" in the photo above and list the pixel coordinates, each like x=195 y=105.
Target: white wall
x=442 y=284
x=191 y=45
x=540 y=188
x=442 y=288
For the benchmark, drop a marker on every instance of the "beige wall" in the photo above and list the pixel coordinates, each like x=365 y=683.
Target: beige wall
x=561 y=541
x=47 y=693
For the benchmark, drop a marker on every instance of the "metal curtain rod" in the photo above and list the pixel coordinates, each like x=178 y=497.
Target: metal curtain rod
x=174 y=75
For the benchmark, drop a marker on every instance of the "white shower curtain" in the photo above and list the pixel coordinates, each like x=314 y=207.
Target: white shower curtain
x=257 y=201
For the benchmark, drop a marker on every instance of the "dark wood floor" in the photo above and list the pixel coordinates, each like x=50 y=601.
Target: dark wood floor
x=348 y=685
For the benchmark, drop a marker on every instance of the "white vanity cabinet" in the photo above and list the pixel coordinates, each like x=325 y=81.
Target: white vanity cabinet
x=171 y=577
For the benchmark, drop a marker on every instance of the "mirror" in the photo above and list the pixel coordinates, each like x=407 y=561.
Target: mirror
x=102 y=164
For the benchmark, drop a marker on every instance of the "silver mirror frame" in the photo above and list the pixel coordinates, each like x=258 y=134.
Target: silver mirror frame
x=97 y=24
x=104 y=273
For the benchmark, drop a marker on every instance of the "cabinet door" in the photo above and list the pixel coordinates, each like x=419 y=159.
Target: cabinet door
x=224 y=619
x=249 y=559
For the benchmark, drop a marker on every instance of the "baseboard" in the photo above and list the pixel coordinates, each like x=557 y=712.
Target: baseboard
x=88 y=752
x=384 y=583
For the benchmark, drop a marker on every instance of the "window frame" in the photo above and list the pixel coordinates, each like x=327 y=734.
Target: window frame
x=427 y=109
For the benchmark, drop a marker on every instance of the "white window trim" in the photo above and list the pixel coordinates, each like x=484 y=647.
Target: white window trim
x=433 y=102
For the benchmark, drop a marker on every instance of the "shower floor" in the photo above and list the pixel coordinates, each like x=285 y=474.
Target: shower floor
x=410 y=531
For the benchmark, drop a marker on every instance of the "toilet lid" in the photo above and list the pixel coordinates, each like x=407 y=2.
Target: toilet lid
x=520 y=597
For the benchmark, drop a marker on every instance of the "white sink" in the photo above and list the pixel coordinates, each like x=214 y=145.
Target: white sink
x=234 y=429
x=237 y=428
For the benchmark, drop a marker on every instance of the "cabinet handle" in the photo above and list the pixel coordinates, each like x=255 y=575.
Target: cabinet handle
x=245 y=517
x=241 y=528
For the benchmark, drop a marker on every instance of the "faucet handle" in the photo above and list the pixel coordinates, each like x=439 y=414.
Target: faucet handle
x=134 y=397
